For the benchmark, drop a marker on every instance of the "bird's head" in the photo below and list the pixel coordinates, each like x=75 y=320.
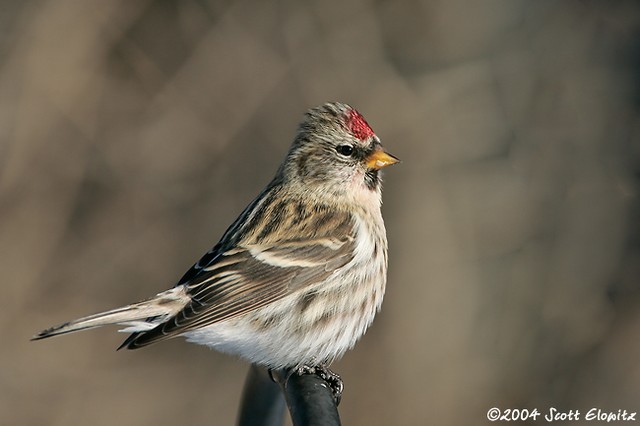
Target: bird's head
x=337 y=152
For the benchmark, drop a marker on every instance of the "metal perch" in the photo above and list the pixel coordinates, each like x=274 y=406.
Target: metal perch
x=309 y=397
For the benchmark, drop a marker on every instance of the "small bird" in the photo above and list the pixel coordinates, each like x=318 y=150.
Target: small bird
x=297 y=279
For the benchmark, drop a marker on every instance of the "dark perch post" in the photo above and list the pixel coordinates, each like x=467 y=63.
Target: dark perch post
x=309 y=398
x=262 y=403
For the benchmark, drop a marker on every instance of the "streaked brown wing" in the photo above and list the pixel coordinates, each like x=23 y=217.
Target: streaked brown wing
x=249 y=277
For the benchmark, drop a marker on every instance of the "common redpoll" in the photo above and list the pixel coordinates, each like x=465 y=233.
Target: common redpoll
x=298 y=277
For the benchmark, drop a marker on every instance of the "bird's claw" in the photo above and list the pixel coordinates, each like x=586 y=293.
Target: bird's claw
x=333 y=380
x=322 y=371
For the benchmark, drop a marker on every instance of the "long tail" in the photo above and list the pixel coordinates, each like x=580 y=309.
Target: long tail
x=140 y=316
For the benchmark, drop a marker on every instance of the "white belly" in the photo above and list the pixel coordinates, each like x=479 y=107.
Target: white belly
x=314 y=325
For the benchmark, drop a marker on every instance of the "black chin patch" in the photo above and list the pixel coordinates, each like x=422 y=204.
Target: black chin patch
x=372 y=179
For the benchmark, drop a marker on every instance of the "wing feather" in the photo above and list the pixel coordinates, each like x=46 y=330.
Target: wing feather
x=245 y=277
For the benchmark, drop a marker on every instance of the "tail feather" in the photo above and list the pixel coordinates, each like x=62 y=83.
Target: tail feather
x=127 y=343
x=157 y=309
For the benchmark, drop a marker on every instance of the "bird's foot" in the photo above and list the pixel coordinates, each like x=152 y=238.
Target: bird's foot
x=322 y=371
x=333 y=380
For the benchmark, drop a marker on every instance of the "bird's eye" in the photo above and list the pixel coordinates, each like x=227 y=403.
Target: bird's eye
x=345 y=150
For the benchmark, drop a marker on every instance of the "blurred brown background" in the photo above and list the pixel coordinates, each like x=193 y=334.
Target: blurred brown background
x=133 y=132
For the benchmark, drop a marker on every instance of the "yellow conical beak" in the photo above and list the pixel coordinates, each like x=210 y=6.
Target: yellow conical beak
x=379 y=159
